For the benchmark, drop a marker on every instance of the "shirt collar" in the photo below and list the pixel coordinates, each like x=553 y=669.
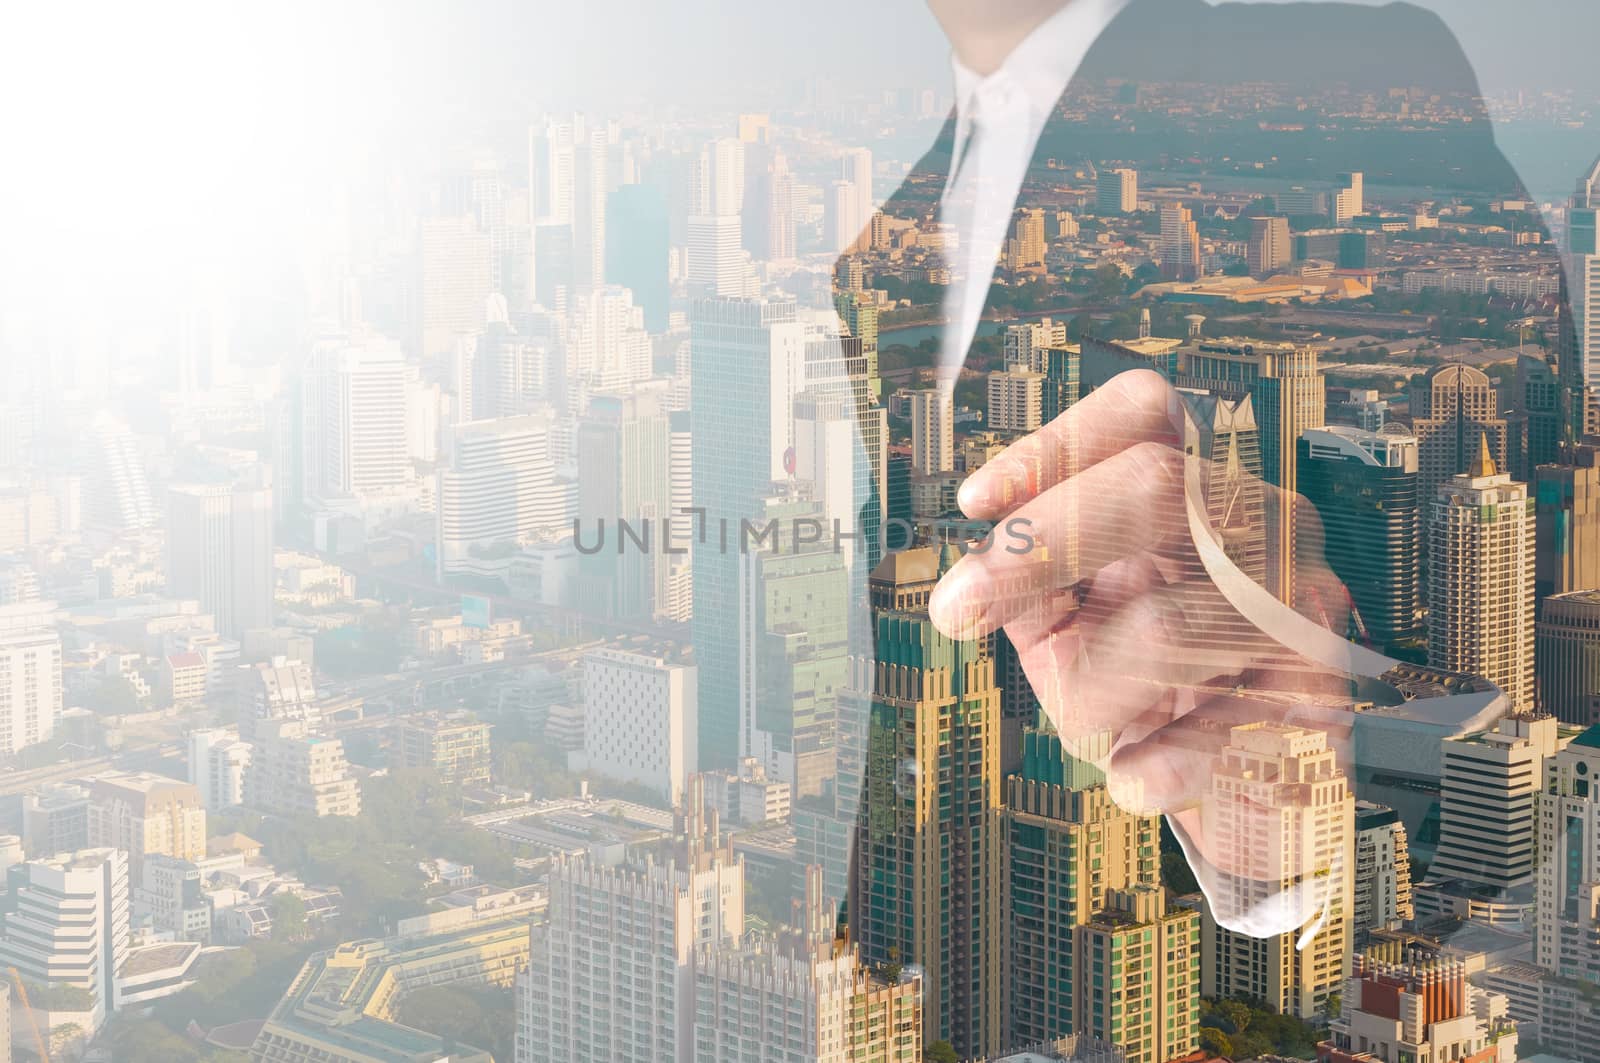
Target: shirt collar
x=1041 y=65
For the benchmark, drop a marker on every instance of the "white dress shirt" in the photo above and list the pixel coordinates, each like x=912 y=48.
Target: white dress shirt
x=999 y=119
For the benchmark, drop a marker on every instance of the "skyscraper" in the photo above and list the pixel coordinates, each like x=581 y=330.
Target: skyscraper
x=1349 y=200
x=840 y=213
x=716 y=262
x=1288 y=396
x=1567 y=522
x=1567 y=918
x=1580 y=358
x=623 y=451
x=30 y=687
x=1480 y=578
x=855 y=166
x=219 y=551
x=1016 y=400
x=1180 y=244
x=1364 y=487
x=457 y=277
x=144 y=814
x=1117 y=192
x=1382 y=892
x=1270 y=247
x=932 y=431
x=1225 y=437
x=354 y=419
x=1280 y=815
x=1063 y=371
x=638 y=248
x=747 y=358
x=1567 y=657
x=1451 y=410
x=929 y=844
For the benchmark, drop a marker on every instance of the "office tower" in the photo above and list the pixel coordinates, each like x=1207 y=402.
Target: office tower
x=718 y=179
x=640 y=718
x=1023 y=346
x=625 y=481
x=1180 y=244
x=117 y=488
x=1580 y=356
x=1063 y=371
x=1363 y=486
x=1567 y=522
x=929 y=844
x=1566 y=654
x=829 y=424
x=354 y=429
x=1567 y=899
x=591 y=183
x=552 y=165
x=1288 y=396
x=638 y=248
x=277 y=690
x=1067 y=845
x=1480 y=578
x=933 y=431
x=501 y=373
x=453 y=745
x=1281 y=813
x=747 y=357
x=1270 y=248
x=860 y=319
x=611 y=973
x=30 y=688
x=1117 y=192
x=498 y=490
x=897 y=495
x=1534 y=424
x=716 y=264
x=769 y=211
x=840 y=213
x=552 y=264
x=457 y=279
x=1488 y=791
x=1024 y=246
x=141 y=814
x=1349 y=200
x=1418 y=1009
x=1016 y=400
x=66 y=923
x=855 y=166
x=217 y=762
x=1146 y=957
x=219 y=552
x=607 y=346
x=795 y=631
x=292 y=774
x=1451 y=411
x=1382 y=894
x=1223 y=434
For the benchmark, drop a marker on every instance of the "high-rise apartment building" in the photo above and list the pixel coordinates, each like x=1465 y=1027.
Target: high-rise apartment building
x=1487 y=796
x=933 y=431
x=217 y=762
x=276 y=690
x=497 y=490
x=1567 y=899
x=1349 y=200
x=1566 y=498
x=30 y=687
x=1270 y=248
x=1480 y=578
x=296 y=774
x=1137 y=975
x=453 y=745
x=748 y=358
x=457 y=279
x=1364 y=488
x=929 y=847
x=1566 y=651
x=1117 y=192
x=1420 y=1008
x=1024 y=247
x=219 y=552
x=1063 y=373
x=1180 y=244
x=611 y=973
x=1023 y=346
x=1452 y=409
x=1580 y=357
x=143 y=814
x=1382 y=893
x=640 y=720
x=1281 y=818
x=1016 y=400
x=66 y=922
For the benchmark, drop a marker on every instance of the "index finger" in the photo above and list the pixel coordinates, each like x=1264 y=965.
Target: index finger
x=1135 y=407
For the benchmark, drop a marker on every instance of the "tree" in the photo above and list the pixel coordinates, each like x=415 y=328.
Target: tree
x=941 y=1052
x=1215 y=1042
x=289 y=921
x=1236 y=1015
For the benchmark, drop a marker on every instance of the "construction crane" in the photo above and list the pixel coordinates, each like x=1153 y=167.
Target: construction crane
x=27 y=1009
